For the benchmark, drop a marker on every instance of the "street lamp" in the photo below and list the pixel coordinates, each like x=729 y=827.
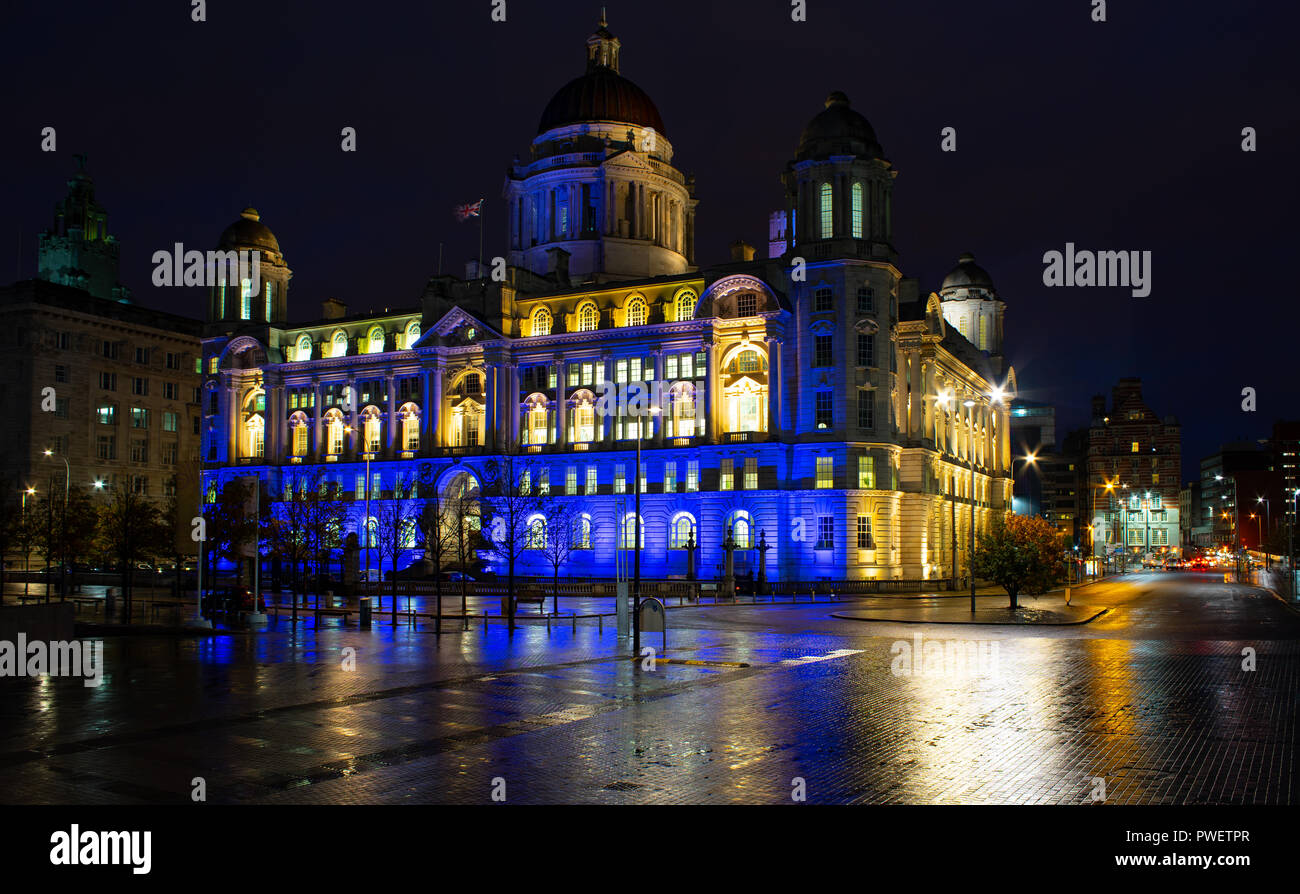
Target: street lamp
x=1028 y=459
x=63 y=533
x=365 y=525
x=636 y=534
x=970 y=455
x=1268 y=523
x=27 y=557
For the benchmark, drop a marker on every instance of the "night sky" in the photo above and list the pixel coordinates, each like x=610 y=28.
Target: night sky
x=1123 y=135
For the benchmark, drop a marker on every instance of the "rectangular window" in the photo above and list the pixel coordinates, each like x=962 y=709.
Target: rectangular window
x=170 y=453
x=866 y=350
x=170 y=421
x=61 y=407
x=866 y=300
x=588 y=374
x=825 y=532
x=139 y=451
x=139 y=417
x=634 y=370
x=746 y=304
x=544 y=482
x=108 y=349
x=620 y=371
x=173 y=360
x=571 y=480
x=688 y=367
x=825 y=472
x=751 y=473
x=1135 y=446
x=171 y=391
x=867 y=472
x=108 y=381
x=142 y=356
x=592 y=485
x=620 y=478
x=670 y=477
x=866 y=410
x=726 y=475
x=821 y=351
x=692 y=475
x=106 y=447
x=864 y=532
x=824 y=415
x=107 y=414
x=140 y=386
x=60 y=373
x=670 y=367
x=823 y=300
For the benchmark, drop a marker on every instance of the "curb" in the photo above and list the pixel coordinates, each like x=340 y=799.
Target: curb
x=1078 y=623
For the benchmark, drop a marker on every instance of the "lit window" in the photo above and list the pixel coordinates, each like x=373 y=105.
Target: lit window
x=246 y=293
x=726 y=475
x=751 y=473
x=681 y=531
x=670 y=477
x=340 y=342
x=588 y=317
x=412 y=334
x=827 y=207
x=741 y=527
x=591 y=479
x=686 y=306
x=692 y=475
x=825 y=532
x=857 y=210
x=1135 y=446
x=537 y=532
x=867 y=472
x=636 y=312
x=864 y=533
x=541 y=322
x=629 y=538
x=825 y=472
x=304 y=348
x=270 y=300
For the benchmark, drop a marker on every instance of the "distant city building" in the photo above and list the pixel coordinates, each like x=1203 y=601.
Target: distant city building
x=839 y=415
x=123 y=380
x=1065 y=486
x=1285 y=445
x=1033 y=445
x=1232 y=481
x=1134 y=465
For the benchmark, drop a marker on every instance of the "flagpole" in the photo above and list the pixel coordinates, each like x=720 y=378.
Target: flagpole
x=481 y=213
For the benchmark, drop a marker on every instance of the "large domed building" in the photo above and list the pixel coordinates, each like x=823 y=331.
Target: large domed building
x=262 y=297
x=599 y=199
x=814 y=402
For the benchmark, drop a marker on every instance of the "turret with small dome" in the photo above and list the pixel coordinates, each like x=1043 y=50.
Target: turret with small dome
x=265 y=301
x=971 y=305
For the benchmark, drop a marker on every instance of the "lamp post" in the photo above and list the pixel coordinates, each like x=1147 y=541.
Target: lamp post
x=1233 y=532
x=1092 y=529
x=63 y=533
x=1290 y=546
x=636 y=534
x=970 y=456
x=1268 y=523
x=27 y=555
x=365 y=524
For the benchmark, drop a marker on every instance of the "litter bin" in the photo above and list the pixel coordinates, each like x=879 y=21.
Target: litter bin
x=365 y=612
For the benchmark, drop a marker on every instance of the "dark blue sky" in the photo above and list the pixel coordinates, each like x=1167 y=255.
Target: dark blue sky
x=1116 y=135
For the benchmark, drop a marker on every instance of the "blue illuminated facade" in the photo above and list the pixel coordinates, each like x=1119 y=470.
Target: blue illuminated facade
x=816 y=398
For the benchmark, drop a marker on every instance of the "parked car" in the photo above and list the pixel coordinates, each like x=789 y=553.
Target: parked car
x=243 y=600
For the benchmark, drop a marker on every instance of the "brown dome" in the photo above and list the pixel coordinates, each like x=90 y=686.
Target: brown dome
x=601 y=94
x=838 y=130
x=248 y=232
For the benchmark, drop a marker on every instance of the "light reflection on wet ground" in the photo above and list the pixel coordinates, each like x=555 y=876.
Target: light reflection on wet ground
x=1151 y=698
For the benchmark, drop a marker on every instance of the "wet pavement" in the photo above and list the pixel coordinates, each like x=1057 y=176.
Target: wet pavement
x=1151 y=698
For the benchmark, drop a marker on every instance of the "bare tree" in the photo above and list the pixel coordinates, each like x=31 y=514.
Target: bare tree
x=394 y=535
x=559 y=540
x=131 y=528
x=510 y=501
x=462 y=510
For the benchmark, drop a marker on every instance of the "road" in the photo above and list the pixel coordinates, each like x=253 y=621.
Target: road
x=1150 y=702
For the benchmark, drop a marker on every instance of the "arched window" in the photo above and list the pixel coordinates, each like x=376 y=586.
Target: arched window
x=584 y=421
x=742 y=529
x=627 y=538
x=299 y=428
x=588 y=317
x=465 y=425
x=983 y=343
x=412 y=334
x=541 y=322
x=536 y=421
x=304 y=348
x=681 y=530
x=681 y=424
x=582 y=532
x=857 y=210
x=340 y=342
x=334 y=433
x=255 y=436
x=827 y=215
x=375 y=340
x=370 y=534
x=371 y=429
x=747 y=362
x=537 y=532
x=410 y=416
x=686 y=306
x=636 y=312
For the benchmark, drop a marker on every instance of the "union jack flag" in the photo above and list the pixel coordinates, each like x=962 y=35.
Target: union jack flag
x=465 y=212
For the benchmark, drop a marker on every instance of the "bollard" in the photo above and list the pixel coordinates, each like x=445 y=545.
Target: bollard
x=485 y=620
x=601 y=620
x=575 y=622
x=548 y=625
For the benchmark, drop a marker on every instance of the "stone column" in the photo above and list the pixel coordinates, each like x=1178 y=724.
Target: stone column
x=775 y=386
x=393 y=423
x=512 y=403
x=710 y=385
x=656 y=391
x=352 y=419
x=607 y=421
x=561 y=401
x=317 y=422
x=491 y=401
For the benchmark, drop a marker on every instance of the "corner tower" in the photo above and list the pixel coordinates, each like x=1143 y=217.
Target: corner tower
x=78 y=250
x=599 y=195
x=971 y=306
x=265 y=301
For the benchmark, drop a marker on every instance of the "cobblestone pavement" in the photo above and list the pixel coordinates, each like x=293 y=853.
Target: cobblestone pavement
x=1151 y=698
